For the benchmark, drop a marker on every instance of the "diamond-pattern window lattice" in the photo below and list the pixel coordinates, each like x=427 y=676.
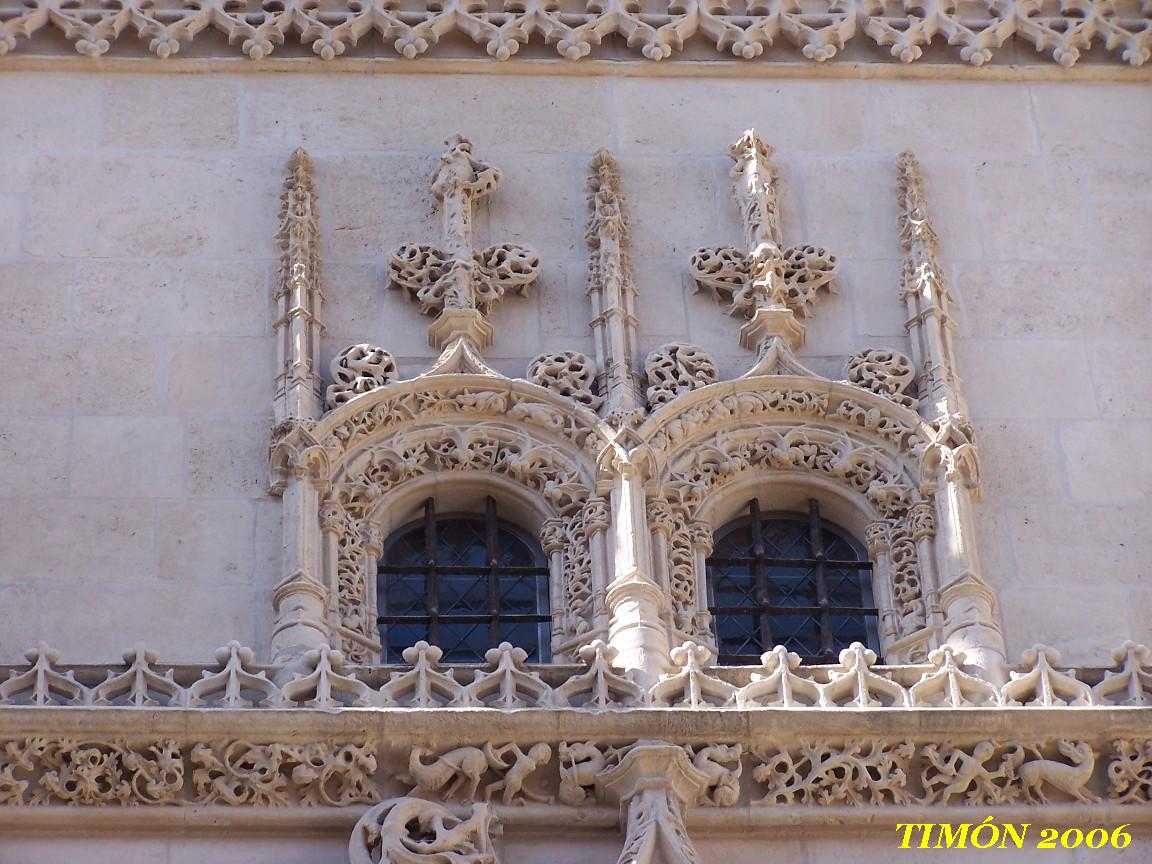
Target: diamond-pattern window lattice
x=440 y=580
x=770 y=584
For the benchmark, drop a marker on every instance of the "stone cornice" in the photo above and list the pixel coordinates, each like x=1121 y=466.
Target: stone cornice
x=415 y=28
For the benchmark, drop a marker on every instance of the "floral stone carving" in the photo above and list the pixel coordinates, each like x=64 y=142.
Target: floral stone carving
x=359 y=369
x=747 y=33
x=677 y=368
x=568 y=373
x=886 y=373
x=765 y=283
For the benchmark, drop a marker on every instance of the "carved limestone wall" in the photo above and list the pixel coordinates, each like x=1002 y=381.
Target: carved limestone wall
x=137 y=478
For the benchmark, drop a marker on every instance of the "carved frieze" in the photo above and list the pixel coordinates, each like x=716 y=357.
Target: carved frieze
x=738 y=32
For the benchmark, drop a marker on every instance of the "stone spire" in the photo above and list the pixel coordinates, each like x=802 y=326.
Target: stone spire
x=298 y=297
x=456 y=281
x=959 y=601
x=612 y=291
x=926 y=298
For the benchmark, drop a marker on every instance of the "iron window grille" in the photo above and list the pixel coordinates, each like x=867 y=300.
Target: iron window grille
x=464 y=583
x=789 y=579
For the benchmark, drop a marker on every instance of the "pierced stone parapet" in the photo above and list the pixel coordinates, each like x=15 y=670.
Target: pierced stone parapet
x=327 y=680
x=739 y=30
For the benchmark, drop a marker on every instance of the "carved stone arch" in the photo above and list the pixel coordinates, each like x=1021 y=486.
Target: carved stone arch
x=790 y=435
x=396 y=445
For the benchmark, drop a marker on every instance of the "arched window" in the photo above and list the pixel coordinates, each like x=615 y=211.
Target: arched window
x=789 y=579
x=464 y=583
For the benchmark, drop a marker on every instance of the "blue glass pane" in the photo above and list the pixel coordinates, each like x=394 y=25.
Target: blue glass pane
x=404 y=594
x=464 y=643
x=799 y=633
x=526 y=636
x=397 y=637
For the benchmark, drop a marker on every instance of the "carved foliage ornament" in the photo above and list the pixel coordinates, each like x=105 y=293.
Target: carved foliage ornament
x=677 y=368
x=764 y=274
x=886 y=373
x=568 y=373
x=44 y=770
x=357 y=370
x=741 y=31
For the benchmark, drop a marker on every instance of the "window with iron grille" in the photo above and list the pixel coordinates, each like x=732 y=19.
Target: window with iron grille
x=465 y=583
x=789 y=579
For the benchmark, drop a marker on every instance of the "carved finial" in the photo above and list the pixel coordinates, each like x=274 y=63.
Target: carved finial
x=612 y=292
x=298 y=296
x=768 y=285
x=456 y=281
x=754 y=180
x=915 y=226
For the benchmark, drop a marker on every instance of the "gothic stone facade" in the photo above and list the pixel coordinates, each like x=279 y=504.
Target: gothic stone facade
x=293 y=300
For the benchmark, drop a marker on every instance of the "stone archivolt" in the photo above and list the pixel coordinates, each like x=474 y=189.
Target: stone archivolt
x=741 y=30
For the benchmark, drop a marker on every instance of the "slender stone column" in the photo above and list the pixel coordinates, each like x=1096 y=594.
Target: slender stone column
x=300 y=600
x=635 y=602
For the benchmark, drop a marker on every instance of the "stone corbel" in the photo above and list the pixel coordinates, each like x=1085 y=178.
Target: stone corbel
x=652 y=784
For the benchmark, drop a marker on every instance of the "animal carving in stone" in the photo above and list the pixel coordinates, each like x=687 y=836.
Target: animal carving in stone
x=721 y=764
x=522 y=766
x=457 y=769
x=1069 y=779
x=959 y=773
x=580 y=764
x=415 y=831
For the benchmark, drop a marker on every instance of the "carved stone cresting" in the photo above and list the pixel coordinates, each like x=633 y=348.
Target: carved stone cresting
x=357 y=370
x=456 y=281
x=326 y=680
x=411 y=28
x=415 y=831
x=765 y=283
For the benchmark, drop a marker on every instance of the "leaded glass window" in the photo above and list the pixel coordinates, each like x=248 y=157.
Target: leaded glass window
x=789 y=579
x=465 y=583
